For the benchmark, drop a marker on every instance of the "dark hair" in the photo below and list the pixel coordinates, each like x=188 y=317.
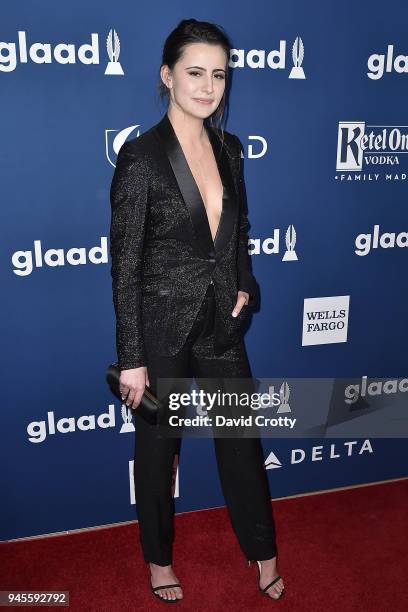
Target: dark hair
x=193 y=31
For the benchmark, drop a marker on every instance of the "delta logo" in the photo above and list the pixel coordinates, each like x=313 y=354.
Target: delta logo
x=324 y=453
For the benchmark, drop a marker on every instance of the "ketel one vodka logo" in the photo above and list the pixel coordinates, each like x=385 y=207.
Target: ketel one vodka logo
x=361 y=146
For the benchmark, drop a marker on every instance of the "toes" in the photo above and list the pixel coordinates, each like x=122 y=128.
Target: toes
x=172 y=594
x=276 y=590
x=275 y=593
x=166 y=593
x=280 y=588
x=175 y=594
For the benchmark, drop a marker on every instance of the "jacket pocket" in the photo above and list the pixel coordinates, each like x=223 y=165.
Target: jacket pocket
x=236 y=325
x=158 y=292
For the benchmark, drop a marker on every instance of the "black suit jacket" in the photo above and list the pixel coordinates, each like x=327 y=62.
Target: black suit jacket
x=162 y=252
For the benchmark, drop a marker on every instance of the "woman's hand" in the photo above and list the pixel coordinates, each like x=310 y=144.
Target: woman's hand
x=242 y=300
x=132 y=385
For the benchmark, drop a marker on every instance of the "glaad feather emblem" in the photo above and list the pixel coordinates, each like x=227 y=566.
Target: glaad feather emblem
x=298 y=52
x=284 y=394
x=127 y=420
x=290 y=241
x=113 y=50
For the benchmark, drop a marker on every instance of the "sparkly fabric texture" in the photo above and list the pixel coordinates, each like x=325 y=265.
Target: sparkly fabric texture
x=240 y=459
x=159 y=273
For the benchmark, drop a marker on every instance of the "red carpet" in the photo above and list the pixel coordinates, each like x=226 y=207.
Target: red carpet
x=341 y=551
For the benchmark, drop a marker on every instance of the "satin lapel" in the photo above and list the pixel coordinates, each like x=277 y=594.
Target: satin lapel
x=229 y=205
x=191 y=194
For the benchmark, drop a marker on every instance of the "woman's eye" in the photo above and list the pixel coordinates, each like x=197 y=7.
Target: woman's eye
x=218 y=76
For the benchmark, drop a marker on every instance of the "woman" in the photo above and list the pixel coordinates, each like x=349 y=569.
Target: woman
x=182 y=285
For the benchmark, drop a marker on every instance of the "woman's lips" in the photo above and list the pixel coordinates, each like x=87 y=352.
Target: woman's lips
x=203 y=101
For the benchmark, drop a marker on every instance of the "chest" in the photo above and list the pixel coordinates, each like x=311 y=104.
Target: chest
x=206 y=175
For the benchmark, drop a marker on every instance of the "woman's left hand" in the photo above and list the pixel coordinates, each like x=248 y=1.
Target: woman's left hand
x=242 y=300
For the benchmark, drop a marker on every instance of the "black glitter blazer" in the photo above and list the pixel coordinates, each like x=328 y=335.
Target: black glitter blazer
x=163 y=255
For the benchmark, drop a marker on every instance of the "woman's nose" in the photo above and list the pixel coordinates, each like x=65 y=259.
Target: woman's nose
x=209 y=86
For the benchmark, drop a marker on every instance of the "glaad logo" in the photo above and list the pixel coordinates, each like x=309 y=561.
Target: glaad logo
x=375 y=64
x=282 y=401
x=275 y=59
x=271 y=245
x=387 y=240
x=113 y=50
x=39 y=430
x=298 y=53
x=284 y=395
x=114 y=140
x=273 y=400
x=127 y=417
x=360 y=145
x=335 y=451
x=62 y=53
x=352 y=393
x=325 y=320
x=25 y=261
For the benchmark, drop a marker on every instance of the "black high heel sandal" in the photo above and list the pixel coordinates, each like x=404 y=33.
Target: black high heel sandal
x=165 y=586
x=268 y=586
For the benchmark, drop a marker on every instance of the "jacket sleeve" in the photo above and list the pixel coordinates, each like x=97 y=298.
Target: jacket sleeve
x=128 y=196
x=246 y=280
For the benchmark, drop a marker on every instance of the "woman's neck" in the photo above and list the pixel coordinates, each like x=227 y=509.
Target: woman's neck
x=189 y=130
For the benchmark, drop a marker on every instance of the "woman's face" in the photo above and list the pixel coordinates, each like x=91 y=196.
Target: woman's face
x=197 y=81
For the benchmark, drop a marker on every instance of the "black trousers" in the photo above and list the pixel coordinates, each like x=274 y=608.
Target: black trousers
x=240 y=461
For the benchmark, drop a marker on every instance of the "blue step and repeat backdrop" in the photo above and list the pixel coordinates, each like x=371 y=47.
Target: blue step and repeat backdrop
x=319 y=101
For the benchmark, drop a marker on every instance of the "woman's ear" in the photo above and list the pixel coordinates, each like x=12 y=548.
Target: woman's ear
x=165 y=75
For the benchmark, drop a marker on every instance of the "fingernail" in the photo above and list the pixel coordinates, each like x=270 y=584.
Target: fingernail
x=234 y=313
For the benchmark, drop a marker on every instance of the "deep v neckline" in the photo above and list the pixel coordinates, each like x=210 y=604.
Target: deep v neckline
x=224 y=191
x=191 y=195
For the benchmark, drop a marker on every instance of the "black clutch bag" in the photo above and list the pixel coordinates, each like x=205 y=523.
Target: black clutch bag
x=149 y=404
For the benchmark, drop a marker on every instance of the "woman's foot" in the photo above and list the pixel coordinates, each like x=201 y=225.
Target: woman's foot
x=163 y=574
x=269 y=573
